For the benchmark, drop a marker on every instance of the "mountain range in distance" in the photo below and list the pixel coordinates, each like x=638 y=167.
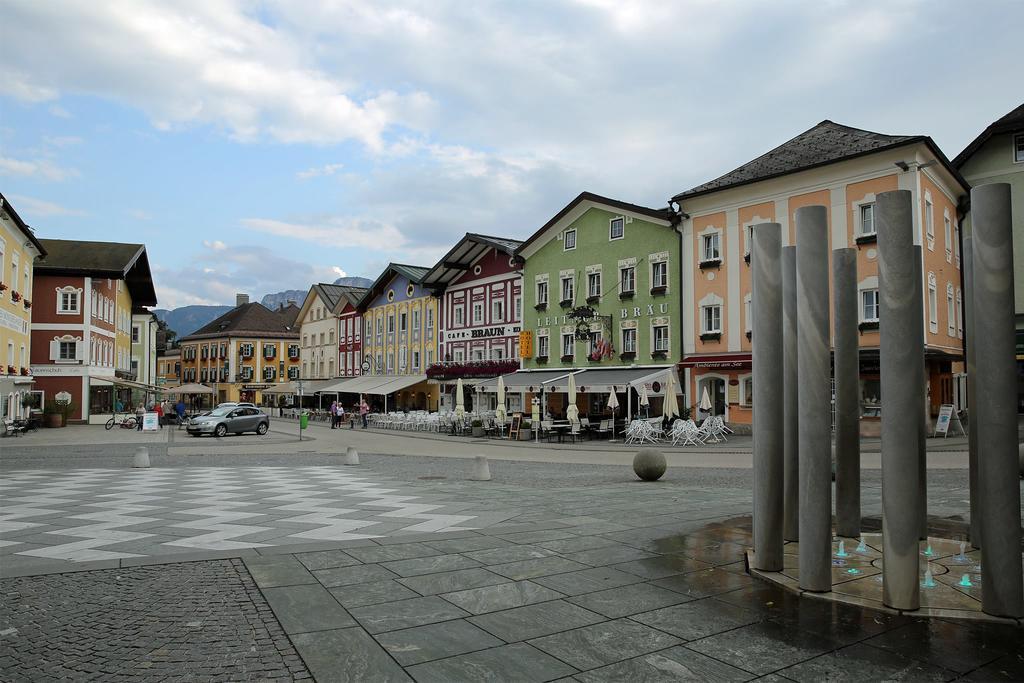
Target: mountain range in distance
x=185 y=320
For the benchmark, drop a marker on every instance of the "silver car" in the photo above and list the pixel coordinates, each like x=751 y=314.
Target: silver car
x=234 y=419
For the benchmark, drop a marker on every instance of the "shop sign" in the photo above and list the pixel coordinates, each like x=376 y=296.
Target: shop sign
x=648 y=310
x=526 y=344
x=13 y=322
x=723 y=364
x=150 y=422
x=478 y=333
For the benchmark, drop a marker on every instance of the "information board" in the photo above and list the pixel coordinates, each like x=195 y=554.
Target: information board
x=517 y=423
x=150 y=422
x=946 y=420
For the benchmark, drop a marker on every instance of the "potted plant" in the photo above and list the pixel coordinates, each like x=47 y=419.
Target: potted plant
x=54 y=414
x=15 y=295
x=28 y=304
x=478 y=427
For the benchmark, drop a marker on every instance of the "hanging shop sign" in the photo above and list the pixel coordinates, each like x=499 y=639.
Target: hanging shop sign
x=526 y=344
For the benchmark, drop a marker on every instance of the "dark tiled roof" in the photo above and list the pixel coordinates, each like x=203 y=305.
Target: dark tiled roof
x=1012 y=122
x=415 y=274
x=825 y=143
x=289 y=313
x=659 y=214
x=351 y=295
x=453 y=264
x=5 y=207
x=252 y=319
x=109 y=258
x=504 y=244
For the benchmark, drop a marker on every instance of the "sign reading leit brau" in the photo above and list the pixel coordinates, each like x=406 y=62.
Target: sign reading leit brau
x=526 y=344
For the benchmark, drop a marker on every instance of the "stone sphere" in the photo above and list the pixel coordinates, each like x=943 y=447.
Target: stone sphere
x=649 y=464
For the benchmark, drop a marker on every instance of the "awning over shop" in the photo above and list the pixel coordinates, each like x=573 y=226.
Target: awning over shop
x=397 y=384
x=523 y=380
x=601 y=380
x=151 y=388
x=291 y=387
x=373 y=384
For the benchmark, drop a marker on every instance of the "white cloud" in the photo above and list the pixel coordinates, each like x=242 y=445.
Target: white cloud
x=326 y=169
x=338 y=272
x=215 y=245
x=38 y=208
x=334 y=231
x=36 y=168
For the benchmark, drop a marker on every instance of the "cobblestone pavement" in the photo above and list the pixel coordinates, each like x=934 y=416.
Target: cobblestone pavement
x=187 y=622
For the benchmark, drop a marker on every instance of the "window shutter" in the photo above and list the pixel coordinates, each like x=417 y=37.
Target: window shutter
x=54 y=350
x=79 y=351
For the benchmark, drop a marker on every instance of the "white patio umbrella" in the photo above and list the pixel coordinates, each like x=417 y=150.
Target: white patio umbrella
x=705 y=401
x=644 y=401
x=572 y=413
x=499 y=411
x=670 y=406
x=613 y=405
x=460 y=400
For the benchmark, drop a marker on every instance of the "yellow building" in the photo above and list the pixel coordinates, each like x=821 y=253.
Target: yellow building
x=242 y=353
x=19 y=250
x=400 y=334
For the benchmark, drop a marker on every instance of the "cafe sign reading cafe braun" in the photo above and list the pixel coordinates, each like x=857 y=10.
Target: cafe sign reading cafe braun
x=491 y=332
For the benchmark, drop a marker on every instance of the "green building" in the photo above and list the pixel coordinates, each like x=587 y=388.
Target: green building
x=602 y=292
x=997 y=156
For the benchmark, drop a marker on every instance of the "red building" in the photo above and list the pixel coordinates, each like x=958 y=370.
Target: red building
x=350 y=338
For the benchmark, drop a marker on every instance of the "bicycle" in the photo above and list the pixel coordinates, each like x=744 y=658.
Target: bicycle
x=127 y=422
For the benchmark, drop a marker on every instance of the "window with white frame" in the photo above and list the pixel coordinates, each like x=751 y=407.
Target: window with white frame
x=659 y=274
x=459 y=355
x=478 y=313
x=568 y=344
x=402 y=357
x=543 y=345
x=748 y=320
x=478 y=354
x=661 y=341
x=497 y=311
x=415 y=320
x=596 y=336
x=933 y=304
x=570 y=240
x=711 y=319
x=627 y=278
x=869 y=306
x=430 y=322
x=68 y=301
x=867 y=219
x=568 y=288
x=542 y=293
x=710 y=250
x=415 y=360
x=1018 y=148
x=956 y=244
x=594 y=284
x=68 y=350
x=391 y=323
x=959 y=314
x=616 y=228
x=135 y=334
x=950 y=311
x=747 y=391
x=748 y=233
x=497 y=353
x=403 y=322
x=517 y=307
x=929 y=221
x=629 y=340
x=948 y=225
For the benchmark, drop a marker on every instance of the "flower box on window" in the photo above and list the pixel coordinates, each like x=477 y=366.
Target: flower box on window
x=659 y=289
x=565 y=303
x=660 y=355
x=746 y=257
x=11 y=370
x=866 y=239
x=868 y=325
x=711 y=336
x=15 y=296
x=627 y=294
x=472 y=369
x=750 y=334
x=710 y=263
x=541 y=307
x=593 y=299
x=27 y=304
x=541 y=359
x=567 y=359
x=627 y=355
x=3 y=287
x=25 y=372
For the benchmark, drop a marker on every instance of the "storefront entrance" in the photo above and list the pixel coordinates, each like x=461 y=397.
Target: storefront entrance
x=716 y=392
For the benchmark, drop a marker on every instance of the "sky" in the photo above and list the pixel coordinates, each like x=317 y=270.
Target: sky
x=261 y=146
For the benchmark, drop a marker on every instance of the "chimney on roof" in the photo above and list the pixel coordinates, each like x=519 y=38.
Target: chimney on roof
x=292 y=302
x=241 y=299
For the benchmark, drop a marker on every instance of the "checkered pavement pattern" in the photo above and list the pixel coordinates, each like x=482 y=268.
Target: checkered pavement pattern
x=102 y=514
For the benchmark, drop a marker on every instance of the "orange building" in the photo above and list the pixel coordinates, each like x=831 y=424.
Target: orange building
x=843 y=169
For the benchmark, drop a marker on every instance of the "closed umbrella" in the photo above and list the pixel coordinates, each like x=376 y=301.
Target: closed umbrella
x=705 y=401
x=644 y=401
x=613 y=405
x=572 y=413
x=499 y=412
x=460 y=400
x=670 y=406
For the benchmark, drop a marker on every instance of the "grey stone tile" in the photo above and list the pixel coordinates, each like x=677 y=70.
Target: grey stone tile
x=282 y=570
x=578 y=543
x=662 y=566
x=698 y=619
x=326 y=559
x=363 y=594
x=599 y=557
x=529 y=569
x=605 y=643
x=534 y=621
x=763 y=648
x=430 y=565
x=705 y=583
x=502 y=596
x=667 y=666
x=465 y=545
x=625 y=600
x=390 y=553
x=861 y=662
x=346 y=655
x=436 y=641
x=512 y=553
x=447 y=582
x=346 y=576
x=588 y=580
x=302 y=609
x=391 y=616
x=528 y=537
x=517 y=663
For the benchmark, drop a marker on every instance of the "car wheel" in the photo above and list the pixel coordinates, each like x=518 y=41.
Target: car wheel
x=193 y=435
x=221 y=430
x=262 y=428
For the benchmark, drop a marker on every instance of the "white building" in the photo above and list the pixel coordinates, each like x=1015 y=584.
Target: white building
x=144 y=329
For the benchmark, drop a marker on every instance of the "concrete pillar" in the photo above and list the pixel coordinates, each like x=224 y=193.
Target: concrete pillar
x=923 y=407
x=901 y=354
x=790 y=392
x=847 y=377
x=481 y=470
x=351 y=456
x=141 y=458
x=814 y=372
x=1002 y=587
x=766 y=306
x=972 y=434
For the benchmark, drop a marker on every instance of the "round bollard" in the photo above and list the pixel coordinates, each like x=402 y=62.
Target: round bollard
x=649 y=464
x=141 y=457
x=481 y=470
x=351 y=456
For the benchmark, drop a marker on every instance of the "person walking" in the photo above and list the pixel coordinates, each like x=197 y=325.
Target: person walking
x=341 y=414
x=363 y=410
x=334 y=415
x=159 y=408
x=179 y=408
x=140 y=412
